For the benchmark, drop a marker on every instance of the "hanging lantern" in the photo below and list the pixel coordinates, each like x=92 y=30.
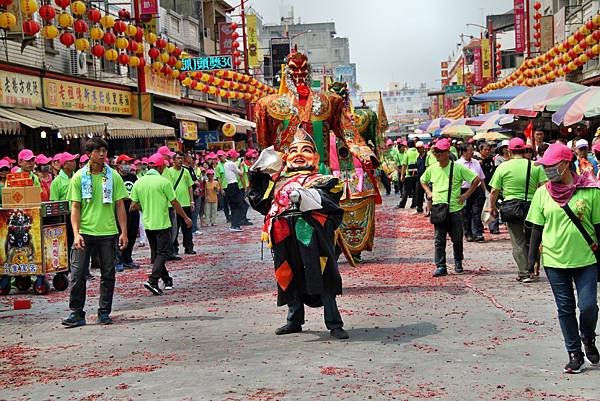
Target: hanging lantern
x=109 y=38
x=119 y=27
x=164 y=57
x=166 y=70
x=178 y=64
x=31 y=27
x=50 y=32
x=161 y=43
x=236 y=53
x=142 y=62
x=132 y=46
x=5 y=3
x=140 y=48
x=97 y=51
x=222 y=92
x=28 y=7
x=194 y=84
x=82 y=44
x=233 y=26
x=235 y=35
x=176 y=52
x=62 y=3
x=153 y=53
x=237 y=62
x=47 y=12
x=595 y=50
x=122 y=43
x=134 y=61
x=96 y=33
x=186 y=81
x=170 y=47
x=67 y=39
x=65 y=20
x=157 y=66
x=80 y=26
x=123 y=59
x=182 y=76
x=151 y=38
x=175 y=74
x=107 y=22
x=78 y=8
x=583 y=59
x=94 y=15
x=212 y=90
x=139 y=35
x=172 y=61
x=235 y=45
x=124 y=14
x=131 y=30
x=111 y=54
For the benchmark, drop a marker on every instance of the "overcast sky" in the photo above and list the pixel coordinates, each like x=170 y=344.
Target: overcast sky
x=392 y=40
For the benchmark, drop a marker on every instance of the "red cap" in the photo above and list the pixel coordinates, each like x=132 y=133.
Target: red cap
x=26 y=154
x=556 y=153
x=42 y=159
x=156 y=160
x=165 y=151
x=516 y=144
x=442 y=144
x=124 y=158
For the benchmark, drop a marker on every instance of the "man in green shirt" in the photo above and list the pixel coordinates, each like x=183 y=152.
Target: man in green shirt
x=220 y=176
x=438 y=175
x=153 y=195
x=96 y=193
x=26 y=161
x=408 y=175
x=59 y=190
x=182 y=185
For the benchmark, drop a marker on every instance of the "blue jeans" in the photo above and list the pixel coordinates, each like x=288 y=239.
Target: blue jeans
x=333 y=320
x=585 y=279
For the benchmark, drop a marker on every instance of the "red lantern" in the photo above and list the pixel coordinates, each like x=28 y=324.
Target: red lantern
x=235 y=35
x=537 y=26
x=5 y=3
x=63 y=3
x=153 y=53
x=590 y=25
x=161 y=43
x=139 y=35
x=172 y=61
x=233 y=26
x=98 y=50
x=583 y=44
x=537 y=16
x=572 y=53
x=123 y=59
x=182 y=76
x=193 y=84
x=124 y=14
x=166 y=70
x=80 y=26
x=132 y=46
x=142 y=63
x=537 y=5
x=67 y=39
x=536 y=35
x=237 y=62
x=94 y=15
x=589 y=53
x=235 y=45
x=177 y=52
x=578 y=36
x=119 y=27
x=596 y=35
x=236 y=53
x=109 y=38
x=31 y=27
x=47 y=12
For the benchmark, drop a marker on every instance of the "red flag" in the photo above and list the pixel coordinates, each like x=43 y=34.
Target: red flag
x=529 y=131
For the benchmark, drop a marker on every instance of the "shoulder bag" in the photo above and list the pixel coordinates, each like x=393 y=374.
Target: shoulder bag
x=178 y=178
x=440 y=213
x=515 y=210
x=588 y=238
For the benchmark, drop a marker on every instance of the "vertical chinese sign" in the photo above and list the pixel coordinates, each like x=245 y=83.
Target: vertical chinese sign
x=253 y=47
x=519 y=12
x=149 y=7
x=486 y=59
x=478 y=78
x=225 y=38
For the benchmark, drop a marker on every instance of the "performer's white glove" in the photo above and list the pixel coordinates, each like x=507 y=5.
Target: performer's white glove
x=295 y=196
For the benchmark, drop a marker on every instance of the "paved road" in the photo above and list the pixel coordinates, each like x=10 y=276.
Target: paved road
x=477 y=336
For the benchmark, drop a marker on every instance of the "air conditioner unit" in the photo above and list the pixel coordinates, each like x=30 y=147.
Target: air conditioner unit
x=77 y=62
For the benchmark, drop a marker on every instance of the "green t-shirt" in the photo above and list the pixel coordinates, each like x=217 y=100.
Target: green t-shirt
x=411 y=157
x=59 y=190
x=439 y=178
x=510 y=177
x=154 y=193
x=97 y=218
x=563 y=246
x=182 y=192
x=430 y=159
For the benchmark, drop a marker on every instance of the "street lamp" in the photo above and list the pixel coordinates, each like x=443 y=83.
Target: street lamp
x=300 y=33
x=477 y=25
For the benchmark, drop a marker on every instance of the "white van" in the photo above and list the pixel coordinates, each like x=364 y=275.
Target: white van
x=424 y=137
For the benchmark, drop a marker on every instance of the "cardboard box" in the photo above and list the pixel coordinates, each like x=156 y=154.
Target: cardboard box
x=21 y=197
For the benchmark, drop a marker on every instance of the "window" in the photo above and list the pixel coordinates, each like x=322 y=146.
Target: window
x=174 y=24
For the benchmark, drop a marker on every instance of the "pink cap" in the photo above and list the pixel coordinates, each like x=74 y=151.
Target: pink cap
x=442 y=144
x=389 y=142
x=15 y=169
x=156 y=160
x=210 y=156
x=596 y=147
x=133 y=167
x=233 y=154
x=144 y=160
x=4 y=163
x=220 y=152
x=8 y=159
x=556 y=153
x=516 y=144
x=67 y=157
x=398 y=140
x=57 y=157
x=42 y=159
x=165 y=151
x=26 y=154
x=210 y=171
x=84 y=158
x=251 y=152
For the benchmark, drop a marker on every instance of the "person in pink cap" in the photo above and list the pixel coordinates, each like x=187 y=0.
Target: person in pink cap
x=565 y=214
x=447 y=178
x=142 y=167
x=26 y=160
x=56 y=166
x=212 y=190
x=44 y=172
x=389 y=169
x=4 y=170
x=83 y=160
x=517 y=178
x=166 y=153
x=60 y=185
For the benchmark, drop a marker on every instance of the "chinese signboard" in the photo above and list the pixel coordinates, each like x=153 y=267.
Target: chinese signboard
x=225 y=39
x=206 y=63
x=55 y=248
x=486 y=59
x=253 y=47
x=188 y=130
x=20 y=90
x=477 y=79
x=519 y=10
x=455 y=89
x=149 y=7
x=64 y=95
x=161 y=85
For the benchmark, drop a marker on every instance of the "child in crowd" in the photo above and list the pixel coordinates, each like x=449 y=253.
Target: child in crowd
x=211 y=190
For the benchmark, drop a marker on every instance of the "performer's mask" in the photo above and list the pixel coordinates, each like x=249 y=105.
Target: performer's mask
x=302 y=153
x=298 y=67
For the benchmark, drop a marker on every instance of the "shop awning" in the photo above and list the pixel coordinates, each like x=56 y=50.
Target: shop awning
x=181 y=112
x=9 y=127
x=243 y=121
x=208 y=113
x=499 y=95
x=67 y=126
x=128 y=127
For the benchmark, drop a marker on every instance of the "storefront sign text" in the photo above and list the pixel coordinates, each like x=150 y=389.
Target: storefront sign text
x=20 y=90
x=71 y=96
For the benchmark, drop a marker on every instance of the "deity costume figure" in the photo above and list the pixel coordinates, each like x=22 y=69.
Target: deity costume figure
x=302 y=213
x=360 y=193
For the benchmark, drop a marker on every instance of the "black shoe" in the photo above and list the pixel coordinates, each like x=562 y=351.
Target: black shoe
x=440 y=271
x=168 y=284
x=458 y=266
x=495 y=232
x=247 y=223
x=104 y=318
x=153 y=288
x=288 y=329
x=591 y=352
x=479 y=239
x=339 y=333
x=174 y=257
x=576 y=361
x=190 y=252
x=75 y=319
x=469 y=239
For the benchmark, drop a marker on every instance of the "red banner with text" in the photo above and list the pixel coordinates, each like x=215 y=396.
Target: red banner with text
x=520 y=34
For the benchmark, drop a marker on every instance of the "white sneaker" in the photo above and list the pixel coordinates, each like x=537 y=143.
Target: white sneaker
x=237 y=230
x=197 y=232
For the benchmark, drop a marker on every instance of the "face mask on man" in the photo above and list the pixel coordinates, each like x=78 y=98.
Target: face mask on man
x=554 y=174
x=126 y=168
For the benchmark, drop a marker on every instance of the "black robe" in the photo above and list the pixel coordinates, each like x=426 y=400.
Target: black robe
x=302 y=242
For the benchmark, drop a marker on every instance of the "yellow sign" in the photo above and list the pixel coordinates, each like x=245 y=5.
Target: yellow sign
x=63 y=95
x=55 y=248
x=161 y=85
x=20 y=90
x=189 y=130
x=254 y=59
x=229 y=129
x=150 y=26
x=486 y=59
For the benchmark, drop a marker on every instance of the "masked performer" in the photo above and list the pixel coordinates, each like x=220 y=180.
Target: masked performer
x=360 y=192
x=302 y=212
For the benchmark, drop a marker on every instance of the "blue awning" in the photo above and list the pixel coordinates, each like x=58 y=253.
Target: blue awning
x=499 y=95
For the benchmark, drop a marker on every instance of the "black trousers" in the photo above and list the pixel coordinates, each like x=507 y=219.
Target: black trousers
x=472 y=224
x=160 y=248
x=419 y=195
x=235 y=198
x=133 y=223
x=385 y=181
x=408 y=189
x=454 y=228
x=188 y=242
